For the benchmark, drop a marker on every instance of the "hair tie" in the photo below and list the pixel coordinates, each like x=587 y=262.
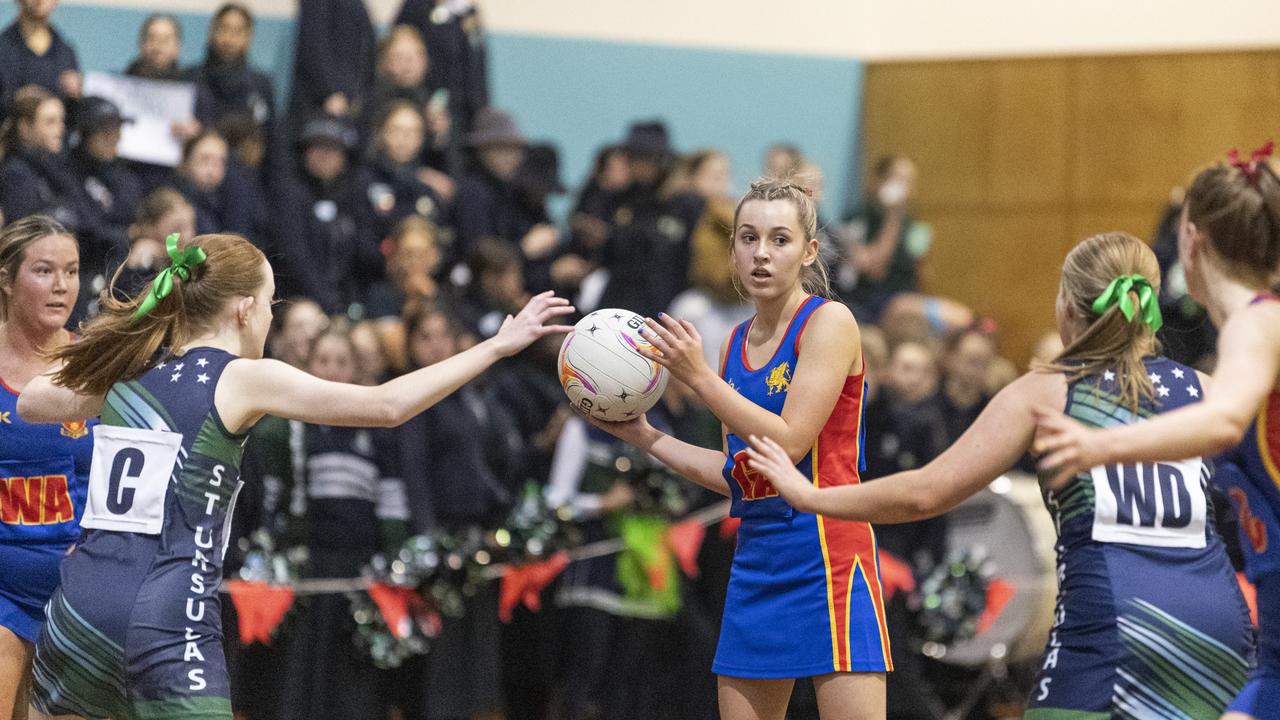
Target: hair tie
x=1117 y=293
x=1253 y=164
x=808 y=192
x=180 y=264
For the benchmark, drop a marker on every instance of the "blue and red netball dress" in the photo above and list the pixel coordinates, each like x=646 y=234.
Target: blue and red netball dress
x=135 y=629
x=1150 y=622
x=43 y=470
x=1250 y=473
x=804 y=592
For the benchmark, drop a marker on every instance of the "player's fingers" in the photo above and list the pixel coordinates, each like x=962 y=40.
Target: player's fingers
x=654 y=329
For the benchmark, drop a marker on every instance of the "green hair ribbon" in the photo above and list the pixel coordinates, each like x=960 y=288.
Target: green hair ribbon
x=180 y=264
x=1117 y=293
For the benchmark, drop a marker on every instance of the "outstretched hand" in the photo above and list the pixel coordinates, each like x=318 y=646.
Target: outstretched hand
x=1066 y=448
x=636 y=432
x=768 y=458
x=519 y=332
x=677 y=347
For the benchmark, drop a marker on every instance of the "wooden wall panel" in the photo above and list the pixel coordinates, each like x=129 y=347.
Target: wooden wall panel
x=1021 y=158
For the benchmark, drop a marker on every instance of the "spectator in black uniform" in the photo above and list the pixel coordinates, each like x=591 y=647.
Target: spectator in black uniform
x=647 y=254
x=163 y=212
x=489 y=202
x=592 y=217
x=333 y=61
x=159 y=44
x=398 y=189
x=227 y=87
x=537 y=180
x=32 y=52
x=109 y=186
x=35 y=177
x=322 y=222
x=457 y=459
x=966 y=361
x=456 y=50
x=413 y=259
x=225 y=198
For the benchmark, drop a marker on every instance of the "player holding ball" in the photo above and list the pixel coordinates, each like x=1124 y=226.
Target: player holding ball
x=804 y=593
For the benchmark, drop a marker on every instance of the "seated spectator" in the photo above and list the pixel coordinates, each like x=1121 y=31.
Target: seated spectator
x=782 y=160
x=109 y=185
x=226 y=85
x=295 y=328
x=488 y=202
x=884 y=243
x=537 y=180
x=967 y=358
x=398 y=189
x=593 y=211
x=374 y=359
x=35 y=177
x=32 y=52
x=401 y=74
x=333 y=61
x=323 y=225
x=225 y=198
x=159 y=44
x=162 y=213
x=647 y=254
x=412 y=263
x=497 y=286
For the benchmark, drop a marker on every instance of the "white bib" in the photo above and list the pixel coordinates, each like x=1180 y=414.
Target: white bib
x=129 y=478
x=1159 y=504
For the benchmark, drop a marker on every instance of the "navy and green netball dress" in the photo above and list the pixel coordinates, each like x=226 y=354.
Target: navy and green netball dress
x=804 y=592
x=43 y=471
x=134 y=631
x=1250 y=473
x=1150 y=620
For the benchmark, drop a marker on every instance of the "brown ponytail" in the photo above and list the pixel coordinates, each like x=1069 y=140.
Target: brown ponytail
x=1110 y=342
x=798 y=189
x=1238 y=212
x=115 y=346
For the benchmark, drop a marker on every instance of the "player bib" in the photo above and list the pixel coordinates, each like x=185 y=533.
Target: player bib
x=1158 y=504
x=129 y=478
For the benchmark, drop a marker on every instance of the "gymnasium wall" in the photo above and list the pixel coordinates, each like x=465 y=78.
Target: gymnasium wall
x=1021 y=158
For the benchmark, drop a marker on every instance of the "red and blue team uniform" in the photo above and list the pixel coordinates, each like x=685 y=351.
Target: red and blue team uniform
x=804 y=593
x=43 y=471
x=1250 y=474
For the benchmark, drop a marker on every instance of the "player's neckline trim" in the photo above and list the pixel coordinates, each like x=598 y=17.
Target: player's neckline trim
x=746 y=332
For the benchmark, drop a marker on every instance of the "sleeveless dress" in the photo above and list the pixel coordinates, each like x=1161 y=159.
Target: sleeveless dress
x=135 y=630
x=1150 y=622
x=804 y=592
x=43 y=472
x=1251 y=477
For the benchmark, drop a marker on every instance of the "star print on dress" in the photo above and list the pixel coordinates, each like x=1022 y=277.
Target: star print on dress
x=174 y=377
x=1163 y=391
x=1154 y=378
x=178 y=367
x=1192 y=391
x=202 y=362
x=1109 y=376
x=160 y=366
x=202 y=378
x=1177 y=372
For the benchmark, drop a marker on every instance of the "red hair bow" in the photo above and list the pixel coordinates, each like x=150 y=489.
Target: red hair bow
x=1250 y=167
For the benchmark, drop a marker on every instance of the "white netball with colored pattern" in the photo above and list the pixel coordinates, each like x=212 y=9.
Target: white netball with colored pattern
x=601 y=370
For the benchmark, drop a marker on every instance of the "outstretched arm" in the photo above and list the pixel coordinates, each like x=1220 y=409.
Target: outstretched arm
x=995 y=441
x=252 y=388
x=41 y=401
x=1248 y=365
x=829 y=349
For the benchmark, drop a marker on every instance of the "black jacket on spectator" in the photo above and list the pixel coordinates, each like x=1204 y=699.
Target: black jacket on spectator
x=488 y=207
x=36 y=181
x=647 y=253
x=322 y=234
x=335 y=52
x=224 y=88
x=457 y=459
x=456 y=51
x=19 y=66
x=236 y=206
x=395 y=193
x=114 y=192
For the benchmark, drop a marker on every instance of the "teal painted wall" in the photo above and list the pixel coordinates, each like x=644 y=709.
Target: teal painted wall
x=582 y=94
